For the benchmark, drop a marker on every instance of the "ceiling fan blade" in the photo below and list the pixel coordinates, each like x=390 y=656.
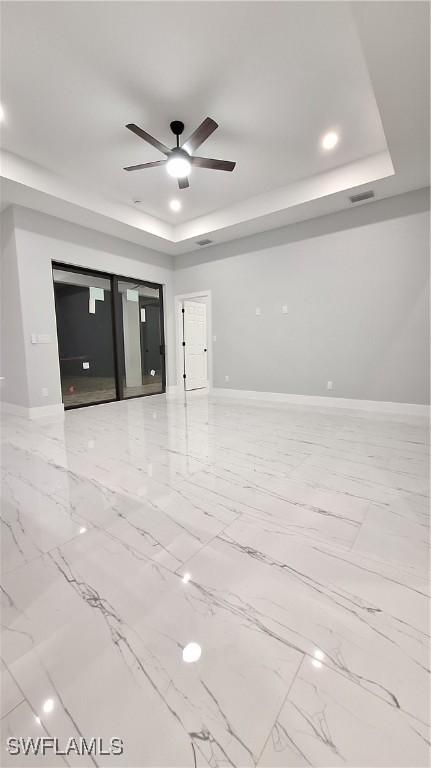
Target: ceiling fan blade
x=217 y=165
x=147 y=137
x=183 y=183
x=145 y=165
x=206 y=128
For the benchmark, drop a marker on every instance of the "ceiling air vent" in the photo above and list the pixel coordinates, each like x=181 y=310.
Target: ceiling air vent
x=204 y=242
x=361 y=196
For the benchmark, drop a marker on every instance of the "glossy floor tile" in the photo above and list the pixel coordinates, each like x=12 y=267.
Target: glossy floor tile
x=288 y=547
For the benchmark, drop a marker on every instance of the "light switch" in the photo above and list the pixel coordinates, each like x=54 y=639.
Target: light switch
x=258 y=312
x=284 y=309
x=85 y=366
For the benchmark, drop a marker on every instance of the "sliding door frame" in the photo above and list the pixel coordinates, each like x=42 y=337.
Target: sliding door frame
x=117 y=318
x=118 y=329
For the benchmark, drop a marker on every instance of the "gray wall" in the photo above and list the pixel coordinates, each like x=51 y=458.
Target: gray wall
x=355 y=284
x=357 y=290
x=13 y=364
x=40 y=239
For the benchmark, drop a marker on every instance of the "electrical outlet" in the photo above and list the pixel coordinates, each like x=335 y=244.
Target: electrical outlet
x=214 y=338
x=226 y=378
x=258 y=312
x=44 y=392
x=330 y=385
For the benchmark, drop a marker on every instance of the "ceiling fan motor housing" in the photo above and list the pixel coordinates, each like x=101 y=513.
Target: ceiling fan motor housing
x=178 y=152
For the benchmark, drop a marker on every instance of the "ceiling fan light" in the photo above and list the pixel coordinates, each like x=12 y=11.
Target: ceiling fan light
x=178 y=164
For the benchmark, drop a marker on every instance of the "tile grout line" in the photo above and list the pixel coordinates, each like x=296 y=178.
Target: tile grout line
x=216 y=535
x=21 y=701
x=25 y=700
x=361 y=524
x=304 y=656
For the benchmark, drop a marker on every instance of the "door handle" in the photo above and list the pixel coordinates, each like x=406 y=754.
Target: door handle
x=205 y=350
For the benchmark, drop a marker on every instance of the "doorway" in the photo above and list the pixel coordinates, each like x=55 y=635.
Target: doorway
x=110 y=334
x=194 y=359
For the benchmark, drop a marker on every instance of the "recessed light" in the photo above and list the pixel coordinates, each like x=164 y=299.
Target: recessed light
x=186 y=578
x=192 y=652
x=175 y=205
x=330 y=140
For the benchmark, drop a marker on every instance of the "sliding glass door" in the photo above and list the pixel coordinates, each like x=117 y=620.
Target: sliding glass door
x=83 y=305
x=142 y=338
x=110 y=336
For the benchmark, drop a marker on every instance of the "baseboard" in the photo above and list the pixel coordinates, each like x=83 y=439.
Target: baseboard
x=408 y=409
x=37 y=412
x=178 y=391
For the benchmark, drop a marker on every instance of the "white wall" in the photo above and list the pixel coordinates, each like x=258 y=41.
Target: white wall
x=357 y=291
x=39 y=240
x=13 y=364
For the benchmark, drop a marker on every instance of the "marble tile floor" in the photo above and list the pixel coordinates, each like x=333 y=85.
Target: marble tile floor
x=290 y=544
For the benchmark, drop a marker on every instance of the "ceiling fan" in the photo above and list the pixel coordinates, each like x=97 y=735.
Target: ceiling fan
x=180 y=160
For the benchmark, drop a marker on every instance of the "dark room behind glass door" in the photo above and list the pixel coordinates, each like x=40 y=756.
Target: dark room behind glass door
x=83 y=304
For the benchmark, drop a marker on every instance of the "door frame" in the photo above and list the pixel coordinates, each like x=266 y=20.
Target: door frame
x=179 y=359
x=117 y=328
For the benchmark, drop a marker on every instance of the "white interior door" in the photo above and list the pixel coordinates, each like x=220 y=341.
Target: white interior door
x=195 y=350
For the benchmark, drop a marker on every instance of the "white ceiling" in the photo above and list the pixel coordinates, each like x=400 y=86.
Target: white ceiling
x=275 y=76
